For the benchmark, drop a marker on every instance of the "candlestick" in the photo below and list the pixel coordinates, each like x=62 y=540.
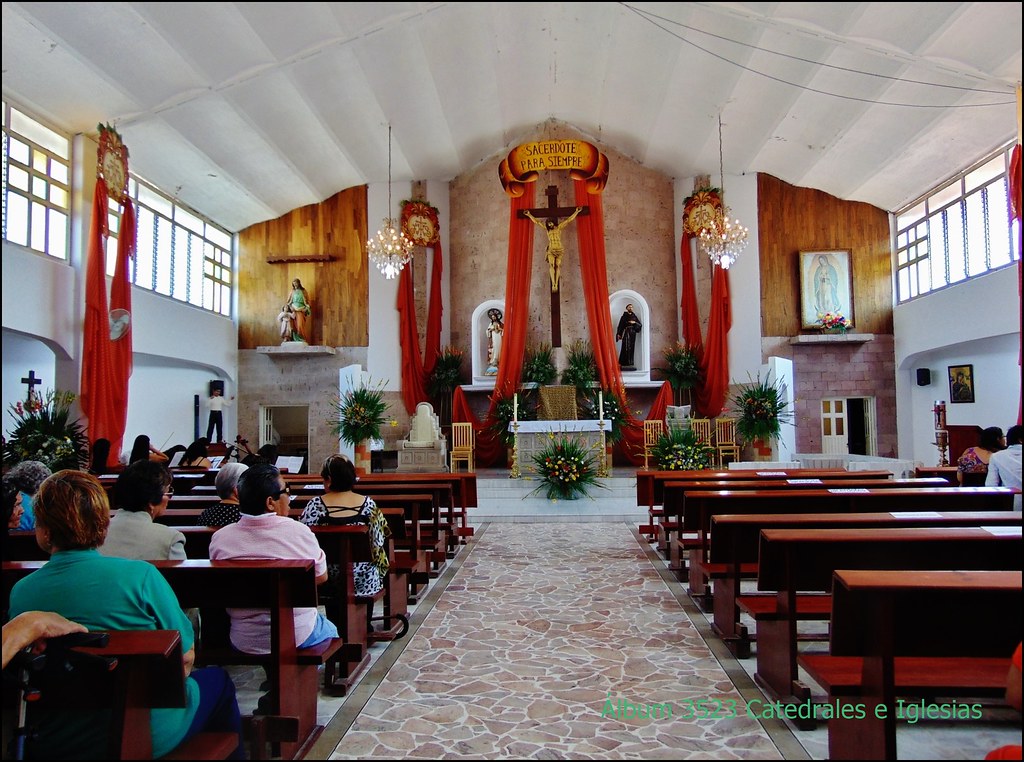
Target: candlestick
x=515 y=407
x=600 y=404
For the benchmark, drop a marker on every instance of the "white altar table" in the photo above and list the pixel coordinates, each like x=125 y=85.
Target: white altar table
x=534 y=436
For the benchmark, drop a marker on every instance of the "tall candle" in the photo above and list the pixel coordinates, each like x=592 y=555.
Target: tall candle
x=600 y=403
x=515 y=407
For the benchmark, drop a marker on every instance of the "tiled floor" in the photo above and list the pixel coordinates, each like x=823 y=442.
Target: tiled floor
x=552 y=636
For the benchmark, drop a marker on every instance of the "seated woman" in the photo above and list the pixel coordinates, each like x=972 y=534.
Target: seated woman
x=972 y=466
x=26 y=476
x=226 y=511
x=196 y=456
x=340 y=505
x=102 y=593
x=141 y=494
x=142 y=449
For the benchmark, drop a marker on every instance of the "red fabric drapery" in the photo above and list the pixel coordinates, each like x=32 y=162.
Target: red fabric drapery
x=1015 y=203
x=121 y=349
x=434 y=312
x=489 y=449
x=688 y=304
x=104 y=384
x=413 y=378
x=714 y=362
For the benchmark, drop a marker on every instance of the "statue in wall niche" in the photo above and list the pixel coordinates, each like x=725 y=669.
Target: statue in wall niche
x=495 y=334
x=629 y=327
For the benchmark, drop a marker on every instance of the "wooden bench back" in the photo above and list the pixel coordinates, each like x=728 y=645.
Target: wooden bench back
x=804 y=559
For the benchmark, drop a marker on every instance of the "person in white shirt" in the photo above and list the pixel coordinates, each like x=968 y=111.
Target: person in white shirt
x=1004 y=466
x=217 y=403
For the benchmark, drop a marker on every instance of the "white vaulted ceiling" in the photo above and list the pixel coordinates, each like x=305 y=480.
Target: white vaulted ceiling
x=249 y=110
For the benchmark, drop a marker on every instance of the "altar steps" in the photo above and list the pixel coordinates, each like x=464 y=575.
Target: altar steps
x=501 y=499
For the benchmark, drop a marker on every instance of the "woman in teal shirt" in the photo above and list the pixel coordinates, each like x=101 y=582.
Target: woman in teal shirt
x=103 y=593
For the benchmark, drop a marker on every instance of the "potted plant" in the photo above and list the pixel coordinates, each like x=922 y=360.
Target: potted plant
x=567 y=468
x=581 y=367
x=357 y=417
x=760 y=410
x=503 y=414
x=591 y=409
x=43 y=431
x=538 y=367
x=680 y=449
x=443 y=380
x=682 y=369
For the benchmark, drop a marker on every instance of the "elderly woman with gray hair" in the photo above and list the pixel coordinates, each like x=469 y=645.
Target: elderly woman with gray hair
x=226 y=511
x=24 y=478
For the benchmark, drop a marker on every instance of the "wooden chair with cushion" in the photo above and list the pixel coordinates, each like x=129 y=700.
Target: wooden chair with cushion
x=653 y=431
x=725 y=440
x=463 y=443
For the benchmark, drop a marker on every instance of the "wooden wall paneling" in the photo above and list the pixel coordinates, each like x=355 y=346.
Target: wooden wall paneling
x=338 y=288
x=793 y=219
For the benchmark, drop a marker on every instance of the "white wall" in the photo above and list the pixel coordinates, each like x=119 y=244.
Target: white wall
x=975 y=323
x=178 y=348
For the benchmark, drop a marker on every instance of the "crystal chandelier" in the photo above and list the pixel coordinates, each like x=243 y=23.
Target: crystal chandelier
x=724 y=238
x=390 y=248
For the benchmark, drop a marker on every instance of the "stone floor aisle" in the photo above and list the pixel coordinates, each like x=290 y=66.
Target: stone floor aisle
x=545 y=641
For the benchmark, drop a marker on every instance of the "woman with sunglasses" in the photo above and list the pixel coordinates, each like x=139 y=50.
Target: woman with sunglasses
x=265 y=531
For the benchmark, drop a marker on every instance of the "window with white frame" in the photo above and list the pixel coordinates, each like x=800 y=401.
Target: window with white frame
x=36 y=184
x=960 y=230
x=178 y=252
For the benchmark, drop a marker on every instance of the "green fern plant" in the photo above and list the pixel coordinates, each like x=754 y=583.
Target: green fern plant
x=538 y=367
x=581 y=367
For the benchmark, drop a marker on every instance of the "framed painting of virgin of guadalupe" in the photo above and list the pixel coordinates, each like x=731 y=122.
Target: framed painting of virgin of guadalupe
x=826 y=287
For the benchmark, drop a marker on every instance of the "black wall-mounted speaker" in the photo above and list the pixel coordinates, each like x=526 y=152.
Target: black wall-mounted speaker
x=924 y=376
x=216 y=384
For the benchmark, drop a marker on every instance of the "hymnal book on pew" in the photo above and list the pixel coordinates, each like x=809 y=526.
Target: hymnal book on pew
x=770 y=473
x=215 y=461
x=291 y=464
x=849 y=490
x=176 y=459
x=915 y=514
x=804 y=481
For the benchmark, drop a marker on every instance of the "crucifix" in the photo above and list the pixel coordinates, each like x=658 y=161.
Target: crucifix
x=31 y=381
x=550 y=225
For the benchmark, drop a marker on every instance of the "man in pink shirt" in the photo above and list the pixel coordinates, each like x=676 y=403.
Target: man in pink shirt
x=265 y=531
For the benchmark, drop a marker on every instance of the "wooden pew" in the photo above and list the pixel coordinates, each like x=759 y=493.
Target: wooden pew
x=437 y=534
x=734 y=540
x=701 y=506
x=795 y=561
x=650 y=485
x=943 y=472
x=675 y=498
x=894 y=640
x=149 y=673
x=280 y=586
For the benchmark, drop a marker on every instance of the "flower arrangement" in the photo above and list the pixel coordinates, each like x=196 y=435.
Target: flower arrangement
x=359 y=413
x=567 y=468
x=760 y=410
x=538 y=366
x=680 y=449
x=581 y=367
x=682 y=368
x=833 y=322
x=43 y=431
x=443 y=380
x=591 y=408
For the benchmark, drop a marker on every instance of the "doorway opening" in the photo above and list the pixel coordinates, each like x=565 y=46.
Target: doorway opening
x=286 y=427
x=848 y=426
